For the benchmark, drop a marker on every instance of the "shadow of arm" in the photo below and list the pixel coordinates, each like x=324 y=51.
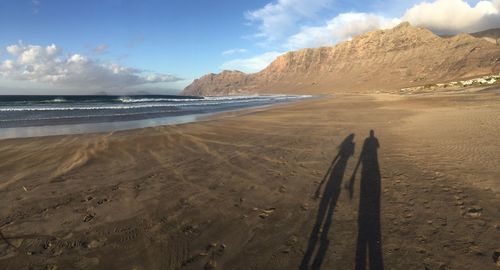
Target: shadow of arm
x=350 y=185
x=318 y=190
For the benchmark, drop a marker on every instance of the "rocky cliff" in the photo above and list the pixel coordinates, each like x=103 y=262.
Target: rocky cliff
x=380 y=60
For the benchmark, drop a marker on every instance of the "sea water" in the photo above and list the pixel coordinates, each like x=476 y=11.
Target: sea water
x=26 y=116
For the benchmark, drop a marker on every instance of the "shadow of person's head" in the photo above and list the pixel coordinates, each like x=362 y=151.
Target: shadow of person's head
x=347 y=145
x=348 y=139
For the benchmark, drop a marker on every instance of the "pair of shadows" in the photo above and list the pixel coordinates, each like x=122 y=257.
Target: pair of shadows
x=369 y=243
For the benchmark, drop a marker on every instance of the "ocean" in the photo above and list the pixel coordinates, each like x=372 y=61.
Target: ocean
x=23 y=116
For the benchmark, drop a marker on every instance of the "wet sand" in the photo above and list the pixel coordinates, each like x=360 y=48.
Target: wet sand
x=265 y=189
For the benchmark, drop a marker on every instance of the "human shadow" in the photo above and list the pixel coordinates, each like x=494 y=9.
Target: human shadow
x=369 y=243
x=318 y=239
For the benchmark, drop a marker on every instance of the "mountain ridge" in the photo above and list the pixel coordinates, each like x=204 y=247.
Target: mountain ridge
x=374 y=61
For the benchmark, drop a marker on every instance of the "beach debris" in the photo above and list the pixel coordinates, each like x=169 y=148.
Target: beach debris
x=266 y=212
x=474 y=211
x=282 y=188
x=25 y=189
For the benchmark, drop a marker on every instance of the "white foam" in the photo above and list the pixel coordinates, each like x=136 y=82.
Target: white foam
x=207 y=101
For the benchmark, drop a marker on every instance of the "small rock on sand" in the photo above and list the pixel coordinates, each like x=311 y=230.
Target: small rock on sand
x=474 y=211
x=88 y=217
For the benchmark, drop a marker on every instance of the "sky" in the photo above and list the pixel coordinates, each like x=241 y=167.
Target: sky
x=160 y=46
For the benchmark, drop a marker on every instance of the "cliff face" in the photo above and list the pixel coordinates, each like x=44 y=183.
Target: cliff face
x=380 y=60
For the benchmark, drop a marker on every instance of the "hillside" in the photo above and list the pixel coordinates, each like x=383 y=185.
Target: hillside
x=375 y=61
x=491 y=35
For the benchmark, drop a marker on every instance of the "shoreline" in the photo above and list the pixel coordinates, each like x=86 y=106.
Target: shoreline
x=116 y=126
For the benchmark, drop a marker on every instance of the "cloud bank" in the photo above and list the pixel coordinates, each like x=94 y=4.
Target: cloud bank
x=454 y=16
x=48 y=65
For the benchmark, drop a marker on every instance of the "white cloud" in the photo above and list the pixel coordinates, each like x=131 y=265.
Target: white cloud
x=233 y=51
x=279 y=18
x=48 y=65
x=252 y=64
x=342 y=27
x=13 y=49
x=453 y=16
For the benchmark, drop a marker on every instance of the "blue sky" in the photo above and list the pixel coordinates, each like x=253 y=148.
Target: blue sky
x=61 y=46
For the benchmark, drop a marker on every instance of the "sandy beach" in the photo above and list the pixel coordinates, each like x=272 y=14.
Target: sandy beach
x=266 y=188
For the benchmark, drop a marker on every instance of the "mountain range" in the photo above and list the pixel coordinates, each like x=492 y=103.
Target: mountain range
x=381 y=60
